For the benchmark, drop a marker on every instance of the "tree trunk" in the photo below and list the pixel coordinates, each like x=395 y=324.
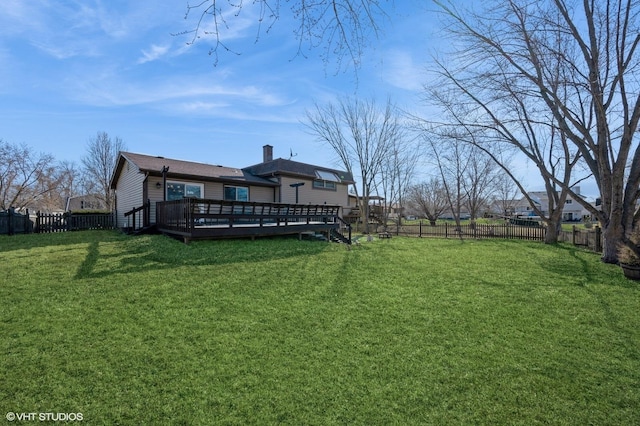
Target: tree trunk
x=612 y=234
x=553 y=226
x=617 y=215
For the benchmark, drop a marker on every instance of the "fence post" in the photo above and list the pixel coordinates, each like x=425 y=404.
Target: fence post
x=573 y=235
x=10 y=221
x=598 y=242
x=420 y=232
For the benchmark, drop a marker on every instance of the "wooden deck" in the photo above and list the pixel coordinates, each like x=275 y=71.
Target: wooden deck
x=196 y=218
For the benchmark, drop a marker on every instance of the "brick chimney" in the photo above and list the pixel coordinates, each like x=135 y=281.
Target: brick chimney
x=267 y=153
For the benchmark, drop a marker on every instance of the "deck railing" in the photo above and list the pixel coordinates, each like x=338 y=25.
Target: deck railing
x=192 y=216
x=138 y=217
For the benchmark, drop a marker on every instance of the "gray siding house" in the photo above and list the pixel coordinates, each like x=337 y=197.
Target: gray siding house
x=140 y=178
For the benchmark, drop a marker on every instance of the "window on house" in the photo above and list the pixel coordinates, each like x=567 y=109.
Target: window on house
x=325 y=180
x=178 y=190
x=568 y=201
x=324 y=184
x=236 y=193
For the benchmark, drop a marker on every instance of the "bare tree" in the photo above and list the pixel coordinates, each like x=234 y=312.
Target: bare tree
x=429 y=199
x=340 y=28
x=479 y=182
x=25 y=177
x=506 y=196
x=59 y=180
x=451 y=157
x=539 y=142
x=362 y=137
x=99 y=162
x=575 y=64
x=397 y=172
x=70 y=180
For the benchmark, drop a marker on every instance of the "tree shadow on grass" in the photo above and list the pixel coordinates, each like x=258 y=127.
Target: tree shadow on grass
x=56 y=239
x=153 y=253
x=594 y=271
x=86 y=267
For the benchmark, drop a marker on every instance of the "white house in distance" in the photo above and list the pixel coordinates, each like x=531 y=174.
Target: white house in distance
x=138 y=178
x=571 y=211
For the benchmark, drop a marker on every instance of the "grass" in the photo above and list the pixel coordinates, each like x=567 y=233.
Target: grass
x=147 y=330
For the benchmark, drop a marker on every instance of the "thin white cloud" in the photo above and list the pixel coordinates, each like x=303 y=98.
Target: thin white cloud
x=401 y=71
x=231 y=111
x=20 y=17
x=154 y=53
x=107 y=89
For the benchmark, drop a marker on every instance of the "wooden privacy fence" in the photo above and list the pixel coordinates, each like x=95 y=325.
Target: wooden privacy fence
x=15 y=223
x=62 y=222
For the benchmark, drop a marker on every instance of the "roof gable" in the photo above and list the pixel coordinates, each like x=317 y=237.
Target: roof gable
x=280 y=166
x=186 y=170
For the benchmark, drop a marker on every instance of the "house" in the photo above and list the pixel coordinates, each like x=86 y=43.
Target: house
x=571 y=211
x=302 y=183
x=140 y=179
x=84 y=202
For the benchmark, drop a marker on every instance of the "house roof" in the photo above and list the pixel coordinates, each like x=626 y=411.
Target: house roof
x=280 y=166
x=186 y=170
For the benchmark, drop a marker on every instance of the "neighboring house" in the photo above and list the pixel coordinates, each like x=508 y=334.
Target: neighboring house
x=138 y=178
x=522 y=207
x=84 y=202
x=571 y=211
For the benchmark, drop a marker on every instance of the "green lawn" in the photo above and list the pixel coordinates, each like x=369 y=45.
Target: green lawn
x=147 y=330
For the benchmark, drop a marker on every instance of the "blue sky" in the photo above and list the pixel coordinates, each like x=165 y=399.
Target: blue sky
x=74 y=68
x=71 y=69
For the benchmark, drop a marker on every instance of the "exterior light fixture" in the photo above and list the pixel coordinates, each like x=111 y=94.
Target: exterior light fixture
x=296 y=186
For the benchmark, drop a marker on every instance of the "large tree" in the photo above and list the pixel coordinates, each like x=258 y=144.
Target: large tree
x=428 y=199
x=99 y=162
x=25 y=177
x=362 y=136
x=575 y=63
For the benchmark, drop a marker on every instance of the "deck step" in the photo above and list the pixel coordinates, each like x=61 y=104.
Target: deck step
x=151 y=229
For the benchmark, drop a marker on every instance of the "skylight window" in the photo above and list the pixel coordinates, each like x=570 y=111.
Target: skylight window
x=327 y=176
